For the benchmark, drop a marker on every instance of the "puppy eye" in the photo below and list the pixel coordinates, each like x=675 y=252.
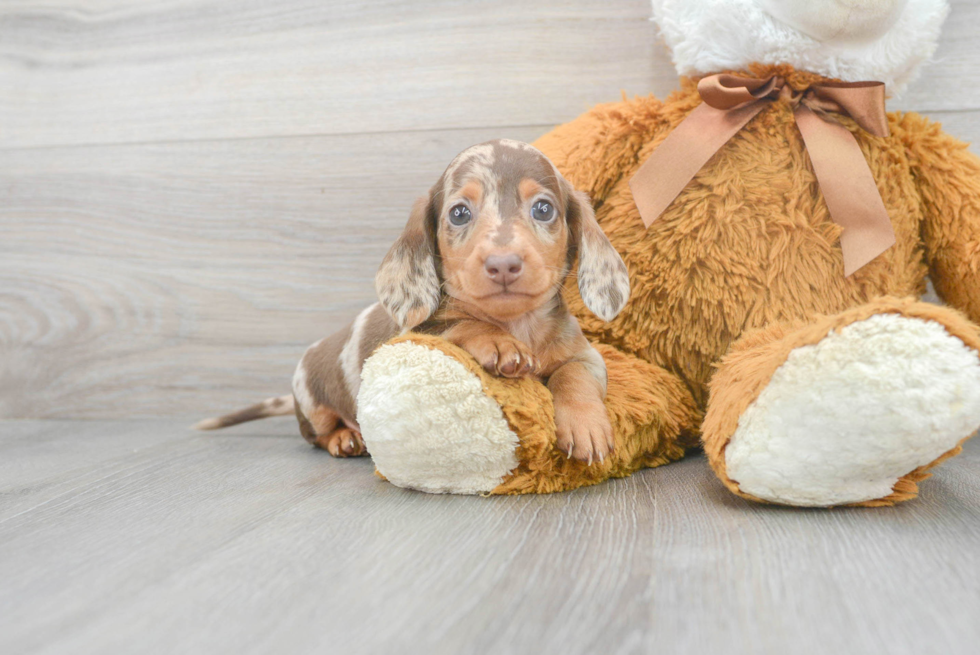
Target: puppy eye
x=460 y=215
x=542 y=211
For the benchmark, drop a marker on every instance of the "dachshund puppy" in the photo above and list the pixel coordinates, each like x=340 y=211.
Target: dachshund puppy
x=481 y=263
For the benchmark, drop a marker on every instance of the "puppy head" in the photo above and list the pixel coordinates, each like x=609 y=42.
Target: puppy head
x=499 y=231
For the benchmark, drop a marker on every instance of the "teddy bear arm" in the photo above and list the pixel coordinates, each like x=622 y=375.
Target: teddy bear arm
x=593 y=150
x=948 y=178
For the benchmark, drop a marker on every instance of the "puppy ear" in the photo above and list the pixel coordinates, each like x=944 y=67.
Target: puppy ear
x=407 y=282
x=603 y=280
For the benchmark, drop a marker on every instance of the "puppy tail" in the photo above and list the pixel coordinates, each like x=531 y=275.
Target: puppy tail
x=279 y=406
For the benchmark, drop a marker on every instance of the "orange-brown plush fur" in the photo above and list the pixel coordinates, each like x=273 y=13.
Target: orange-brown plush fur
x=749 y=243
x=651 y=413
x=747 y=368
x=742 y=267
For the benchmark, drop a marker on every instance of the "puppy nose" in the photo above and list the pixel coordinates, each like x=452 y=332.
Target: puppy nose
x=504 y=269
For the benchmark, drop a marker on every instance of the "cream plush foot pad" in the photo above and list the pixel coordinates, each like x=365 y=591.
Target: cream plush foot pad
x=429 y=425
x=842 y=420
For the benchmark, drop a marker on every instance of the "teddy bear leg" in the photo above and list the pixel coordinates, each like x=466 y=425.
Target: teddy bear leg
x=434 y=420
x=851 y=409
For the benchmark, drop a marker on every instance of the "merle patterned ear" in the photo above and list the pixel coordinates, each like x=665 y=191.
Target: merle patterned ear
x=407 y=281
x=603 y=280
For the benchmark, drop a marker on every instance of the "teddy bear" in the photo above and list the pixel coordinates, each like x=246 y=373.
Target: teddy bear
x=777 y=247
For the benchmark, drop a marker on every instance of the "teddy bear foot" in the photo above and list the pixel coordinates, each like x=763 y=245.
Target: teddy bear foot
x=428 y=424
x=851 y=409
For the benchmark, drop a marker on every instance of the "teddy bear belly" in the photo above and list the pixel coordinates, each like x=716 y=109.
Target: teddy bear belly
x=748 y=242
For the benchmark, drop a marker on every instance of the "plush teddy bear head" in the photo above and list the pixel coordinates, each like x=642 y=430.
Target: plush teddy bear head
x=850 y=40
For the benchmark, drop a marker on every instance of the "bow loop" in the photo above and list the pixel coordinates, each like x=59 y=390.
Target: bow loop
x=731 y=101
x=731 y=91
x=864 y=102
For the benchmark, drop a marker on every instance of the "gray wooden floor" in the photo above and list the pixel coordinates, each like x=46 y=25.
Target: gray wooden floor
x=142 y=537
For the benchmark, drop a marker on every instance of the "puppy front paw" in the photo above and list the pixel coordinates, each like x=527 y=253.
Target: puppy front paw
x=503 y=355
x=584 y=431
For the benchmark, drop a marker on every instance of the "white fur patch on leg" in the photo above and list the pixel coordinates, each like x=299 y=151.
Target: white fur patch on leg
x=301 y=389
x=842 y=420
x=428 y=424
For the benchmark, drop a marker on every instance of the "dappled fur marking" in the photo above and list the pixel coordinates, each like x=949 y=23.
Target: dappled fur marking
x=407 y=282
x=447 y=279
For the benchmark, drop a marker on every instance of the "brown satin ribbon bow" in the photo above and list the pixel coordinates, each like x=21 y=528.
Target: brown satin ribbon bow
x=843 y=175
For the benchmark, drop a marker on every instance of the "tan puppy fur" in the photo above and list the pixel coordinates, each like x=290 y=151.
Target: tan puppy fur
x=481 y=262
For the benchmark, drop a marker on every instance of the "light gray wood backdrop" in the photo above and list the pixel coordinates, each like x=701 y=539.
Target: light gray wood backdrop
x=191 y=190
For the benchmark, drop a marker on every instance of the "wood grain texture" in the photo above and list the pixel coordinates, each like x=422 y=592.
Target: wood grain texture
x=123 y=71
x=139 y=537
x=154 y=279
x=192 y=191
x=940 y=86
x=127 y=71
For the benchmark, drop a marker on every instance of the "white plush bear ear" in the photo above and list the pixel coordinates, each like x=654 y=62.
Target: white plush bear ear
x=603 y=280
x=407 y=282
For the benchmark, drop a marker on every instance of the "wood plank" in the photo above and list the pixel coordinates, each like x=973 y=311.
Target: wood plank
x=251 y=542
x=118 y=71
x=188 y=278
x=42 y=460
x=948 y=81
x=124 y=71
x=153 y=279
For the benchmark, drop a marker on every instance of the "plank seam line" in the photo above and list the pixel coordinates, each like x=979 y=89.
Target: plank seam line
x=118 y=144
